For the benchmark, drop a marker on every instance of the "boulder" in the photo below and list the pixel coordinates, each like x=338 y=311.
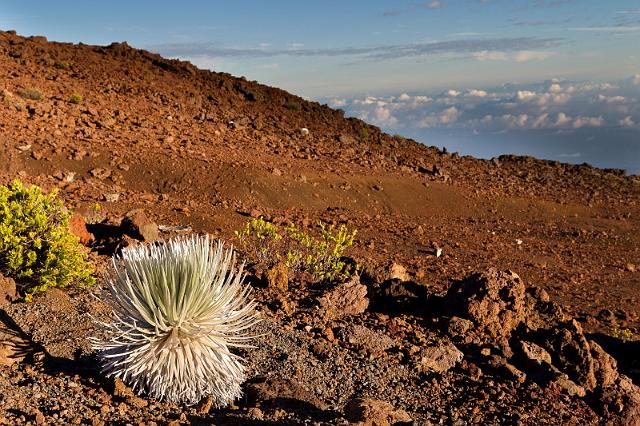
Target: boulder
x=439 y=358
x=535 y=354
x=373 y=412
x=8 y=291
x=137 y=225
x=269 y=389
x=493 y=300
x=571 y=353
x=277 y=277
x=78 y=227
x=344 y=300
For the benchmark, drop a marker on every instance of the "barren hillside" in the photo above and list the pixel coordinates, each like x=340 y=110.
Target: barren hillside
x=207 y=150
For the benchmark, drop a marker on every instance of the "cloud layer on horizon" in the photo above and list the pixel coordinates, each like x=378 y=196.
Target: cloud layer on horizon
x=561 y=106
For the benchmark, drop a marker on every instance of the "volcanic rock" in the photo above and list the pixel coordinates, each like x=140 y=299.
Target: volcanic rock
x=439 y=358
x=373 y=412
x=269 y=389
x=78 y=227
x=8 y=292
x=277 y=277
x=137 y=225
x=493 y=300
x=345 y=300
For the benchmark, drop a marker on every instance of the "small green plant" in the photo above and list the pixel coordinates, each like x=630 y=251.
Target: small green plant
x=63 y=65
x=320 y=255
x=75 y=99
x=6 y=97
x=364 y=134
x=293 y=105
x=37 y=248
x=624 y=334
x=31 y=93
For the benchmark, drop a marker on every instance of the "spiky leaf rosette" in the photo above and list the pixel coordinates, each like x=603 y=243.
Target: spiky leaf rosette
x=178 y=307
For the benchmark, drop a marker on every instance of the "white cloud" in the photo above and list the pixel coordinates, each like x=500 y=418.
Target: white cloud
x=525 y=95
x=563 y=106
x=489 y=55
x=588 y=121
x=555 y=88
x=477 y=93
x=530 y=55
x=449 y=116
x=622 y=29
x=611 y=99
x=562 y=119
x=627 y=122
x=337 y=103
x=434 y=5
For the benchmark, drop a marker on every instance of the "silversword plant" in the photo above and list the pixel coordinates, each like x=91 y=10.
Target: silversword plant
x=178 y=308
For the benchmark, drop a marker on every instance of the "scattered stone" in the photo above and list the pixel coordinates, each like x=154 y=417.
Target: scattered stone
x=8 y=291
x=347 y=139
x=345 y=300
x=439 y=358
x=458 y=326
x=268 y=389
x=78 y=227
x=137 y=225
x=373 y=412
x=365 y=339
x=397 y=271
x=100 y=173
x=256 y=413
x=175 y=228
x=112 y=197
x=534 y=353
x=205 y=405
x=277 y=277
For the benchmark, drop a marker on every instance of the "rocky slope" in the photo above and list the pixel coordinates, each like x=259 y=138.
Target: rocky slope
x=432 y=343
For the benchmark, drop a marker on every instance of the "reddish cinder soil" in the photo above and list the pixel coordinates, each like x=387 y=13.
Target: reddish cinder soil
x=204 y=149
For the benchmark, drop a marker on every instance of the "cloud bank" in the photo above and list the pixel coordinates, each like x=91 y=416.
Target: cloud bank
x=554 y=104
x=595 y=122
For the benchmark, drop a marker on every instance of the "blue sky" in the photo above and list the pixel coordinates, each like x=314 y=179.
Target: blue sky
x=347 y=51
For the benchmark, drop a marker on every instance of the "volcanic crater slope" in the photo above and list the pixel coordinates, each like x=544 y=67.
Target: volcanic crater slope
x=436 y=328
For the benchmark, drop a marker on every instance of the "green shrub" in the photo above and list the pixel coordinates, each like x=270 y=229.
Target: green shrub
x=293 y=105
x=31 y=93
x=63 y=65
x=37 y=248
x=624 y=334
x=364 y=134
x=75 y=99
x=320 y=255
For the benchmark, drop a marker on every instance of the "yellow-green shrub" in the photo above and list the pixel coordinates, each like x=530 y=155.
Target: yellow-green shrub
x=320 y=255
x=75 y=99
x=37 y=248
